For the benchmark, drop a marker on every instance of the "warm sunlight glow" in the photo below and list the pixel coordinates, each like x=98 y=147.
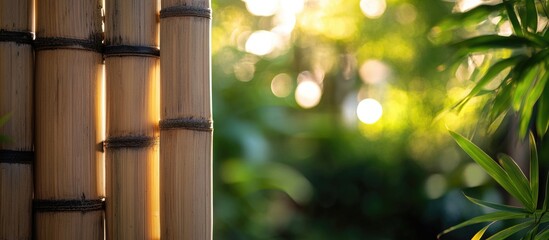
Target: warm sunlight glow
x=262 y=7
x=281 y=86
x=369 y=111
x=373 y=8
x=308 y=94
x=466 y=5
x=261 y=42
x=374 y=71
x=291 y=6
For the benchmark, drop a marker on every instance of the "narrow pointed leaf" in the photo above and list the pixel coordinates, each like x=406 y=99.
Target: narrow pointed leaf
x=490 y=217
x=510 y=9
x=530 y=100
x=488 y=164
x=492 y=72
x=487 y=42
x=496 y=206
x=473 y=16
x=530 y=235
x=518 y=179
x=505 y=233
x=481 y=232
x=542 y=121
x=534 y=170
x=546 y=198
x=531 y=16
x=543 y=235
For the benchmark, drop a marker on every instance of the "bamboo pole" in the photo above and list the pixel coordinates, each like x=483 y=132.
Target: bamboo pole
x=16 y=100
x=186 y=120
x=67 y=202
x=132 y=75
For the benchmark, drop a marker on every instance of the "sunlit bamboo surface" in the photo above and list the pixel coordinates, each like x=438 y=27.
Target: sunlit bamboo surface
x=185 y=154
x=68 y=118
x=16 y=100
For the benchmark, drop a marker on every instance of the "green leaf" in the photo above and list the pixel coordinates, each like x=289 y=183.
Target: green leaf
x=496 y=206
x=490 y=217
x=510 y=9
x=534 y=170
x=531 y=16
x=492 y=72
x=529 y=102
x=487 y=42
x=489 y=165
x=543 y=235
x=505 y=233
x=518 y=179
x=546 y=199
x=471 y=17
x=481 y=232
x=542 y=121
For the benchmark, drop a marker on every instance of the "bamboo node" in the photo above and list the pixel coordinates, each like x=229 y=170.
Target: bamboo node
x=68 y=205
x=189 y=123
x=130 y=142
x=17 y=37
x=128 y=50
x=186 y=11
x=16 y=157
x=48 y=43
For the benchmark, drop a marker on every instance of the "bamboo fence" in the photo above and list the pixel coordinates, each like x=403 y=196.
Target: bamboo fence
x=186 y=120
x=132 y=75
x=16 y=100
x=67 y=197
x=56 y=83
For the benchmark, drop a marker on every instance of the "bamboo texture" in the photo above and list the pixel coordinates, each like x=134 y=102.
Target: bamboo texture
x=16 y=90
x=68 y=118
x=132 y=111
x=185 y=153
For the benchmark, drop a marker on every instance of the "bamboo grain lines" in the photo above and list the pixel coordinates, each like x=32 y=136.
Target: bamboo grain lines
x=16 y=100
x=100 y=145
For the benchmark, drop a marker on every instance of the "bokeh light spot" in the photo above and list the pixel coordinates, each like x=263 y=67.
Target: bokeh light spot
x=308 y=94
x=262 y=7
x=373 y=8
x=435 y=186
x=374 y=71
x=369 y=111
x=261 y=42
x=474 y=175
x=281 y=85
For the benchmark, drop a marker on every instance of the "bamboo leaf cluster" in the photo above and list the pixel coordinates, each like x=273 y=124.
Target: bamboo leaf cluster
x=523 y=90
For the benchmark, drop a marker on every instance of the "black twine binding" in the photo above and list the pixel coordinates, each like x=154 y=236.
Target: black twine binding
x=190 y=123
x=67 y=43
x=186 y=11
x=68 y=205
x=130 y=142
x=128 y=50
x=16 y=157
x=17 y=37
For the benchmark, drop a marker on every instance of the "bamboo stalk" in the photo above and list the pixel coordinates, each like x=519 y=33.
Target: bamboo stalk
x=132 y=72
x=16 y=89
x=132 y=170
x=67 y=201
x=186 y=136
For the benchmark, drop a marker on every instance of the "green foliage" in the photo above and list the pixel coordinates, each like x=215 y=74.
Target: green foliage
x=519 y=71
x=511 y=178
x=524 y=53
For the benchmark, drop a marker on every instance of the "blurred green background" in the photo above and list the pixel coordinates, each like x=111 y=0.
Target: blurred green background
x=331 y=122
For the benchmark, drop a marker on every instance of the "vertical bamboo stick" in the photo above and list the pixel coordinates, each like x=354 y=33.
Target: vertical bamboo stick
x=132 y=75
x=186 y=120
x=16 y=90
x=67 y=203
